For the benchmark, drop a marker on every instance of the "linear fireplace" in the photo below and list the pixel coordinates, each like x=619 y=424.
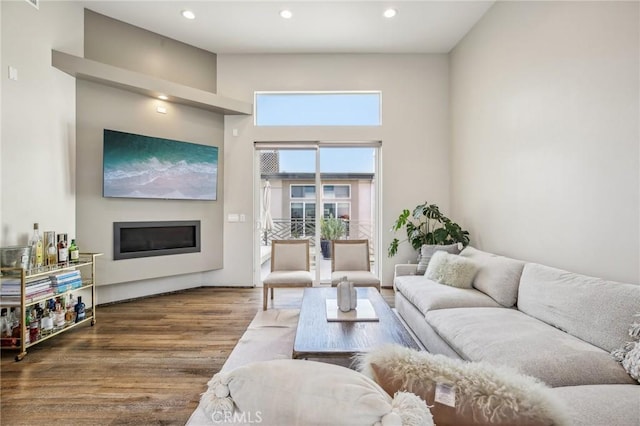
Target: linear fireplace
x=144 y=239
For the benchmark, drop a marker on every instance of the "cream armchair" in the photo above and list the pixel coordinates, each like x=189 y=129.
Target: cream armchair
x=289 y=267
x=350 y=258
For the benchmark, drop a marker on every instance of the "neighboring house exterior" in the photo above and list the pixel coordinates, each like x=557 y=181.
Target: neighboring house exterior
x=348 y=196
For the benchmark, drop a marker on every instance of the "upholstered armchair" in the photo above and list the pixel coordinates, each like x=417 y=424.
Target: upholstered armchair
x=289 y=267
x=350 y=258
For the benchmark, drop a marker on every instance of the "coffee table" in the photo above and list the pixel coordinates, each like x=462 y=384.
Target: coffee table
x=318 y=338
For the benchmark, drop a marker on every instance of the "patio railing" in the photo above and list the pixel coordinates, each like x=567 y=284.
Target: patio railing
x=285 y=229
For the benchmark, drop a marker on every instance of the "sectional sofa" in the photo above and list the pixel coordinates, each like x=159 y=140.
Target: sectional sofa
x=557 y=326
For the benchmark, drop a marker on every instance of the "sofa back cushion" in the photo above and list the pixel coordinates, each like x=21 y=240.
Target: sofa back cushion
x=592 y=309
x=497 y=276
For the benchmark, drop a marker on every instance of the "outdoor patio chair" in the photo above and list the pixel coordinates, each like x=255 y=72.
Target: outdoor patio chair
x=289 y=267
x=350 y=258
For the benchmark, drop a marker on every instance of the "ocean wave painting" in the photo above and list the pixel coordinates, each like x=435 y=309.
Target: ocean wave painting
x=137 y=166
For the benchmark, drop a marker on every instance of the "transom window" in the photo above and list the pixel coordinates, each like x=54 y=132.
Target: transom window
x=318 y=108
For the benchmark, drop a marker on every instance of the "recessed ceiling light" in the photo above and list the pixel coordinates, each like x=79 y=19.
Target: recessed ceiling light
x=163 y=97
x=188 y=14
x=390 y=13
x=286 y=14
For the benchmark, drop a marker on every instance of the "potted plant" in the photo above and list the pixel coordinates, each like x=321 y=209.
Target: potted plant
x=427 y=225
x=331 y=228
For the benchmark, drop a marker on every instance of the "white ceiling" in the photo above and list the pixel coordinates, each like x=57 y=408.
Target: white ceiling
x=316 y=27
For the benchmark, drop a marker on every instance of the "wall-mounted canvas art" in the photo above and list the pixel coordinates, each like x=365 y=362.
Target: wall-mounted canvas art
x=137 y=166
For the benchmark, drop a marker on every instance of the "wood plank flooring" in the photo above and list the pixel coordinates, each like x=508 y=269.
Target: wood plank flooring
x=145 y=362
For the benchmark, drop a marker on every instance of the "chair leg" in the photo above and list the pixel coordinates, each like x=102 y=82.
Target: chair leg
x=271 y=293
x=265 y=290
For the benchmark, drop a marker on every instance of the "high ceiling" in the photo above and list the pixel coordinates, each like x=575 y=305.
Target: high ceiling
x=316 y=26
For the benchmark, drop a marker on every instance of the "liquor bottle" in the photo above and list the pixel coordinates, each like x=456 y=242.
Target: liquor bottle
x=74 y=252
x=27 y=322
x=51 y=249
x=58 y=317
x=37 y=249
x=80 y=313
x=5 y=327
x=70 y=313
x=63 y=249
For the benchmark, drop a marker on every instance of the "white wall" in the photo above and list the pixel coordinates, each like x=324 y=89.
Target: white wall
x=414 y=134
x=545 y=136
x=38 y=119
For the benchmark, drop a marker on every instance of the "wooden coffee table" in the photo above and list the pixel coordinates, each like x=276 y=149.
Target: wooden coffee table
x=317 y=338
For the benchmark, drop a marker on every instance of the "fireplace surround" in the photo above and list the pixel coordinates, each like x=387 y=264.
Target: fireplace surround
x=155 y=238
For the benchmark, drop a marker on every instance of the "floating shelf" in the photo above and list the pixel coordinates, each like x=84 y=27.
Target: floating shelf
x=86 y=69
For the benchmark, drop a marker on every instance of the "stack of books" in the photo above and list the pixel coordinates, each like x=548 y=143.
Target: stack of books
x=66 y=281
x=37 y=289
x=10 y=291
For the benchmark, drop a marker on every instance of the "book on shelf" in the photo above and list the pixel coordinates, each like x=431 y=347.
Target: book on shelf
x=66 y=276
x=44 y=294
x=9 y=300
x=67 y=285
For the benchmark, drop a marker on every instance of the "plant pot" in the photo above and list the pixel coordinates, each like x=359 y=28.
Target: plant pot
x=325 y=248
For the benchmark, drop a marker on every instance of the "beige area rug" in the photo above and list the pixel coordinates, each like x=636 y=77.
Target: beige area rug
x=269 y=336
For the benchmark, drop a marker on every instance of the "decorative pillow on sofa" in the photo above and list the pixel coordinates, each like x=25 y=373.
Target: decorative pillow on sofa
x=426 y=251
x=296 y=392
x=463 y=393
x=451 y=269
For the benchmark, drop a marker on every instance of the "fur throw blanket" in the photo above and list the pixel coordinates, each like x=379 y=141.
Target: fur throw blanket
x=483 y=393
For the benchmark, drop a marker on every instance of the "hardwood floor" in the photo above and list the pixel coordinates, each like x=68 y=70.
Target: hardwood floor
x=145 y=362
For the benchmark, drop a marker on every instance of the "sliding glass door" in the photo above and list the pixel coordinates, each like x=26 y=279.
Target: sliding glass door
x=303 y=189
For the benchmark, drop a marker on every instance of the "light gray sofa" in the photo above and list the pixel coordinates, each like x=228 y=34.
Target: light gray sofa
x=552 y=324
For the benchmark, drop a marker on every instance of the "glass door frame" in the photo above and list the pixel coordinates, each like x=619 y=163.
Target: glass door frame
x=316 y=146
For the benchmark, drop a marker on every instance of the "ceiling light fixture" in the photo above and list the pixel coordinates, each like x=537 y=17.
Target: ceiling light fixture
x=188 y=14
x=286 y=14
x=163 y=97
x=390 y=13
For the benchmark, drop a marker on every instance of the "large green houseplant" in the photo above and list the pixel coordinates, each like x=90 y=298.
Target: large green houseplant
x=331 y=228
x=427 y=225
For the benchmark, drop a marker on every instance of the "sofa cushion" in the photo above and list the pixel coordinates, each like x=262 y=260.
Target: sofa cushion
x=482 y=394
x=611 y=405
x=289 y=277
x=451 y=269
x=497 y=276
x=592 y=309
x=427 y=250
x=426 y=294
x=295 y=392
x=509 y=337
x=358 y=278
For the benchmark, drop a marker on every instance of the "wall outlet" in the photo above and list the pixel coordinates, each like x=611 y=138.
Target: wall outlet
x=13 y=73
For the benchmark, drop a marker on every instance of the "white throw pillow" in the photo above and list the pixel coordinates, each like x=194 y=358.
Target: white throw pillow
x=427 y=250
x=451 y=269
x=296 y=392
